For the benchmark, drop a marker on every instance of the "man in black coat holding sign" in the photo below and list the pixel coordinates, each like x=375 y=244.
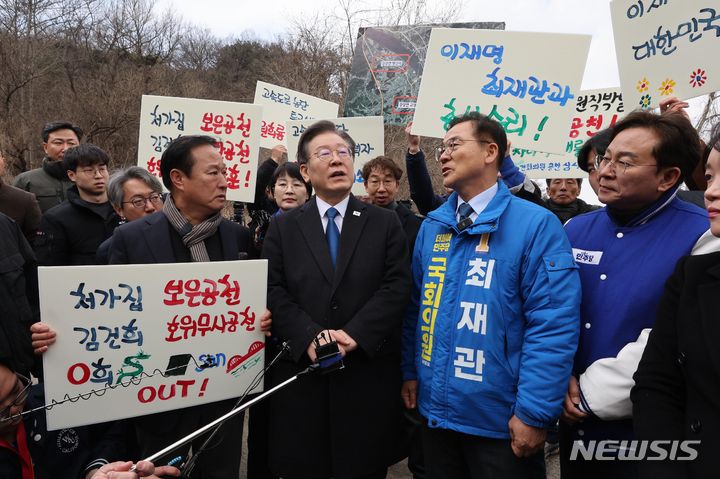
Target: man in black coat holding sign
x=338 y=271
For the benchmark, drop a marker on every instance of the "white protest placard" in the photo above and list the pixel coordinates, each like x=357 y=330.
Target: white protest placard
x=367 y=132
x=666 y=49
x=539 y=165
x=282 y=104
x=236 y=126
x=595 y=110
x=526 y=81
x=141 y=339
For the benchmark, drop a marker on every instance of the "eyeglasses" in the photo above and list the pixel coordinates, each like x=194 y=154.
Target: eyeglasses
x=604 y=162
x=93 y=171
x=385 y=183
x=452 y=145
x=287 y=186
x=154 y=198
x=20 y=397
x=326 y=154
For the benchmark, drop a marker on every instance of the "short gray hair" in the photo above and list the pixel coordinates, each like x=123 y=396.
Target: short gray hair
x=119 y=178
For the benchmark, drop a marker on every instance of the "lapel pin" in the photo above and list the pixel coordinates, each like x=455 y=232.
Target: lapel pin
x=356 y=213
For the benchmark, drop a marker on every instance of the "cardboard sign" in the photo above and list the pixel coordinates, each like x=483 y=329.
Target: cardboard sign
x=282 y=104
x=236 y=126
x=141 y=339
x=528 y=82
x=666 y=49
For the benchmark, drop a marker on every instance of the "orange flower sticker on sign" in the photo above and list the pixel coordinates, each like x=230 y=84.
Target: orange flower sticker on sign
x=642 y=85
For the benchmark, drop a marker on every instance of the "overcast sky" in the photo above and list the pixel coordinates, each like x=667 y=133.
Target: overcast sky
x=270 y=18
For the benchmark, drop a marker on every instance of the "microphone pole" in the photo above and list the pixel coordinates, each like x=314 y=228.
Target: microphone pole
x=225 y=417
x=329 y=360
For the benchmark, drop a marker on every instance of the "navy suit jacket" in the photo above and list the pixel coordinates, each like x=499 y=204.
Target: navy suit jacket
x=147 y=241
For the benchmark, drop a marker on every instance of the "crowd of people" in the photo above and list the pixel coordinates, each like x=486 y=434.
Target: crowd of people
x=474 y=333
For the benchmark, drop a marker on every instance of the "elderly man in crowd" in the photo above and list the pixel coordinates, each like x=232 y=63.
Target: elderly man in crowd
x=626 y=251
x=563 y=198
x=133 y=193
x=381 y=177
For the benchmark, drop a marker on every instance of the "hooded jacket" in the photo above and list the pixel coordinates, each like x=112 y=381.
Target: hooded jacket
x=492 y=326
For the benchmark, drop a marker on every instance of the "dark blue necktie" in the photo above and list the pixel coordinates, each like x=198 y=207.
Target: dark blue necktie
x=333 y=234
x=464 y=211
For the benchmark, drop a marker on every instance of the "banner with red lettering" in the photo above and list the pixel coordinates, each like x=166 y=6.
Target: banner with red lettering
x=236 y=126
x=141 y=339
x=282 y=104
x=595 y=110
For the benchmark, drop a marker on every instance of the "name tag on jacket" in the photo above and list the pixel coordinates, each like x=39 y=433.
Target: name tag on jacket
x=587 y=257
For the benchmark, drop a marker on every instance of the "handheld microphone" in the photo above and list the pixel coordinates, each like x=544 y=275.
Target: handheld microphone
x=329 y=358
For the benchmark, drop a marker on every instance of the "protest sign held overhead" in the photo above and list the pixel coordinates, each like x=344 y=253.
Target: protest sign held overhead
x=367 y=132
x=528 y=82
x=140 y=339
x=283 y=104
x=666 y=49
x=387 y=67
x=595 y=110
x=235 y=125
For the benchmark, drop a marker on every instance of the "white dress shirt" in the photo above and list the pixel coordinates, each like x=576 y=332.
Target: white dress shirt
x=478 y=202
x=340 y=207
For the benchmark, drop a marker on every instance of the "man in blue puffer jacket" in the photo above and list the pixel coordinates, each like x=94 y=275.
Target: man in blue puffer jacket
x=492 y=327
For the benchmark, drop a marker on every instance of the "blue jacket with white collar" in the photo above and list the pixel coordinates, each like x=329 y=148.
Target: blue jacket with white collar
x=623 y=270
x=492 y=326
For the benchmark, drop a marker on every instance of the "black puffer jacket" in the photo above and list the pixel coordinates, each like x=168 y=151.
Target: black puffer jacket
x=70 y=233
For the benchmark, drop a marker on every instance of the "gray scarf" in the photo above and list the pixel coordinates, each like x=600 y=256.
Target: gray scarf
x=193 y=237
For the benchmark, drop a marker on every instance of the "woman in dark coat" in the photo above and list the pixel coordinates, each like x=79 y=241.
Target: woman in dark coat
x=677 y=384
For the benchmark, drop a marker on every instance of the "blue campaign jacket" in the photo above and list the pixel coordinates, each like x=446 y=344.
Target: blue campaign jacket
x=492 y=326
x=623 y=270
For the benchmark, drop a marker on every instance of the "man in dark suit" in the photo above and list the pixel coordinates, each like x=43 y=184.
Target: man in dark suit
x=338 y=270
x=189 y=228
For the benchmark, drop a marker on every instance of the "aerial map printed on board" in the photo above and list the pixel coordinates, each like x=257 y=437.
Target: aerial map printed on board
x=387 y=67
